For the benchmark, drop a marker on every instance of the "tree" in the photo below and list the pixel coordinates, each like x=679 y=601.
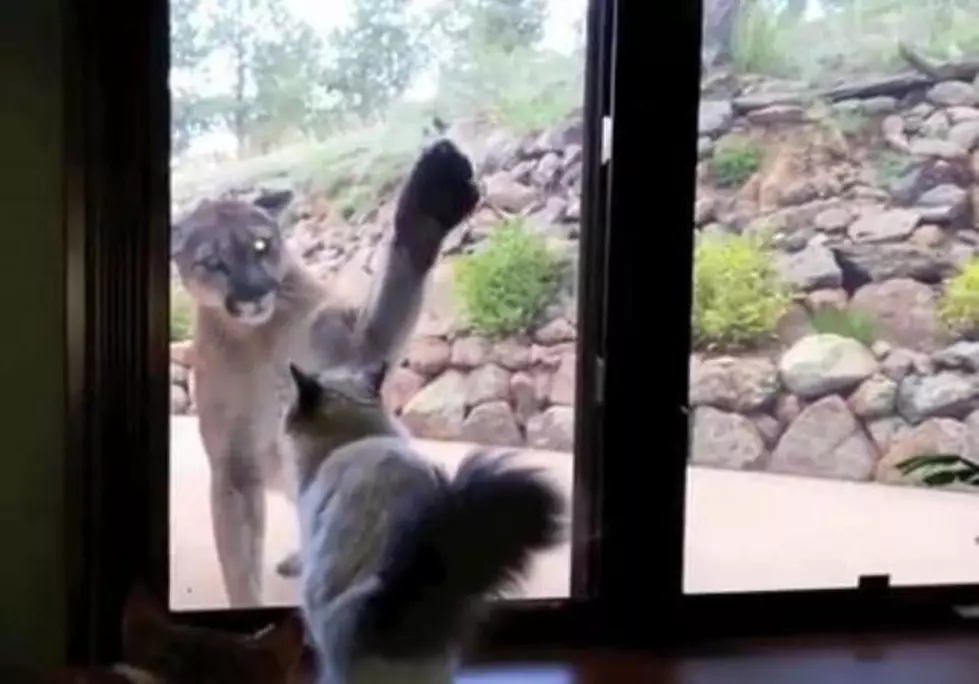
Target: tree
x=188 y=50
x=719 y=26
x=376 y=56
x=508 y=24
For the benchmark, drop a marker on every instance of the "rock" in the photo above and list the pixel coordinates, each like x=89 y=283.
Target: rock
x=778 y=114
x=817 y=300
x=508 y=194
x=933 y=147
x=511 y=354
x=935 y=436
x=942 y=204
x=703 y=210
x=179 y=400
x=891 y=225
x=563 y=382
x=929 y=236
x=958 y=356
x=878 y=105
x=935 y=126
x=742 y=385
x=182 y=353
x=825 y=441
x=880 y=349
x=714 y=116
x=883 y=431
x=554 y=332
x=812 y=268
x=787 y=408
x=944 y=395
x=953 y=94
x=884 y=261
x=524 y=395
x=487 y=383
x=437 y=411
x=904 y=312
x=822 y=364
x=399 y=387
x=833 y=220
x=874 y=398
x=965 y=134
x=897 y=364
x=769 y=428
x=550 y=357
x=492 y=424
x=724 y=440
x=470 y=352
x=553 y=429
x=959 y=115
x=428 y=355
x=179 y=374
x=892 y=129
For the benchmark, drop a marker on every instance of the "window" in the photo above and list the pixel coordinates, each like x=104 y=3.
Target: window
x=832 y=278
x=316 y=112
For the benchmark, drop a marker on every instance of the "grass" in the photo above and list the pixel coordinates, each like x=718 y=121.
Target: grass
x=856 y=325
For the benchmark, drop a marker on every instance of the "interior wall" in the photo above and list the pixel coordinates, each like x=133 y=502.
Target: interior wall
x=32 y=597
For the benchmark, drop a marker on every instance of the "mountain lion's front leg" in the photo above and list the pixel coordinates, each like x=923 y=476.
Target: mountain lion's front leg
x=439 y=194
x=237 y=502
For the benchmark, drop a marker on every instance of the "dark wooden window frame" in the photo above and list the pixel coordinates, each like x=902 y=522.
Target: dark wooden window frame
x=631 y=465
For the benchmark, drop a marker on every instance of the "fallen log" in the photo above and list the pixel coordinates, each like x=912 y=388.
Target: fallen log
x=925 y=72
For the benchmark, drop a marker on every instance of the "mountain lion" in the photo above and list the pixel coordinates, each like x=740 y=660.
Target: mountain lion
x=258 y=308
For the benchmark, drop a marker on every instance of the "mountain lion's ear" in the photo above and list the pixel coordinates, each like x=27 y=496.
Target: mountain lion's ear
x=274 y=202
x=375 y=374
x=309 y=391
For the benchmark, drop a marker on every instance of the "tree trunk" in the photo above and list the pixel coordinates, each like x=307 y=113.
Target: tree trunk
x=719 y=26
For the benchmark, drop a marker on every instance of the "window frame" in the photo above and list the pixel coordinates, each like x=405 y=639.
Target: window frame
x=117 y=381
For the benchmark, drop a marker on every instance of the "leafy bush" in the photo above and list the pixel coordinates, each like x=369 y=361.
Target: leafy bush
x=856 y=325
x=735 y=159
x=181 y=314
x=738 y=296
x=959 y=307
x=505 y=286
x=941 y=469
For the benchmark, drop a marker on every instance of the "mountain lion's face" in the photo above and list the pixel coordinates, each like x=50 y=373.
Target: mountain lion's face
x=229 y=254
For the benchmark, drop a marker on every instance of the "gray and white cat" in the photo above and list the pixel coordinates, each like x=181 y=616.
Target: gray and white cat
x=398 y=558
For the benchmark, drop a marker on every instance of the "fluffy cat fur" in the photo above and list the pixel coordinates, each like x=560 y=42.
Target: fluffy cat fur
x=398 y=558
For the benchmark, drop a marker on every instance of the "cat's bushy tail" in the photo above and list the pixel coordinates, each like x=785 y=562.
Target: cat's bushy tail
x=470 y=541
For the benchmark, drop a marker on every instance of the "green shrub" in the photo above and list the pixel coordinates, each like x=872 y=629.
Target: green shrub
x=735 y=159
x=505 y=286
x=738 y=296
x=959 y=306
x=856 y=325
x=181 y=314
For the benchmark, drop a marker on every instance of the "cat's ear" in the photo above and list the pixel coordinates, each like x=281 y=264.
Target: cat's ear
x=308 y=389
x=374 y=375
x=285 y=641
x=274 y=202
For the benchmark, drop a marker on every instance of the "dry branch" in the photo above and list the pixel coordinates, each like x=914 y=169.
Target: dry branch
x=925 y=72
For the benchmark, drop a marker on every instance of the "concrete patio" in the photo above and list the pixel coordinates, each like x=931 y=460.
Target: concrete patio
x=745 y=531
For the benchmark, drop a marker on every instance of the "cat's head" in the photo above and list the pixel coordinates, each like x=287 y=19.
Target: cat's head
x=343 y=398
x=182 y=654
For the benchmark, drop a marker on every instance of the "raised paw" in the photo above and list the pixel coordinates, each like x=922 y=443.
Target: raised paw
x=440 y=186
x=291 y=566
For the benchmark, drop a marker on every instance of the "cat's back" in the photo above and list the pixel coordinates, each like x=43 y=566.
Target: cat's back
x=368 y=473
x=350 y=507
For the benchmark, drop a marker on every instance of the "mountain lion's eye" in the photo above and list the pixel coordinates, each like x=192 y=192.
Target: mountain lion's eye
x=260 y=245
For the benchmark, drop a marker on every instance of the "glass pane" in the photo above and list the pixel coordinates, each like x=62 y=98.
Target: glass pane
x=836 y=296
x=315 y=112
